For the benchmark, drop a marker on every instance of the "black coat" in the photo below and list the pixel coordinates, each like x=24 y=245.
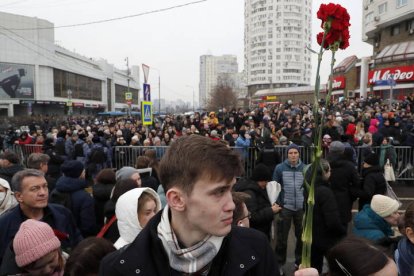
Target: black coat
x=101 y=193
x=344 y=184
x=244 y=251
x=83 y=206
x=258 y=204
x=327 y=226
x=7 y=172
x=373 y=183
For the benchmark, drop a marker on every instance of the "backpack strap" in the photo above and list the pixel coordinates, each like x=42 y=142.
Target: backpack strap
x=105 y=228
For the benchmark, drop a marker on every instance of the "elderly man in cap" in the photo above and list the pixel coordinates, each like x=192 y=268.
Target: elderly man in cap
x=290 y=176
x=128 y=173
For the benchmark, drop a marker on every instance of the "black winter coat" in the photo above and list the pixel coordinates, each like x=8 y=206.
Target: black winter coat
x=344 y=184
x=83 y=208
x=7 y=172
x=101 y=194
x=244 y=251
x=327 y=226
x=258 y=204
x=373 y=183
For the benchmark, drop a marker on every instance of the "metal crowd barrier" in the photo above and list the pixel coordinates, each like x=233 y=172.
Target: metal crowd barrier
x=127 y=156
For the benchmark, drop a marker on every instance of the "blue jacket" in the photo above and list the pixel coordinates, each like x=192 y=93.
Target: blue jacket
x=291 y=179
x=60 y=219
x=83 y=205
x=404 y=256
x=369 y=225
x=242 y=146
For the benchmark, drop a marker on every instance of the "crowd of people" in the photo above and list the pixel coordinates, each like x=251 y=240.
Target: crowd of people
x=194 y=211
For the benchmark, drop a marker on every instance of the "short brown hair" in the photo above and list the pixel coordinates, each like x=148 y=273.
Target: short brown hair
x=239 y=198
x=142 y=162
x=106 y=176
x=193 y=157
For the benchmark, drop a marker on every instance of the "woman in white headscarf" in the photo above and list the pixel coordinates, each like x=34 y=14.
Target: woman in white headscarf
x=7 y=199
x=133 y=211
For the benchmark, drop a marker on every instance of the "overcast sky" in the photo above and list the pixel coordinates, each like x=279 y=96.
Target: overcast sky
x=171 y=41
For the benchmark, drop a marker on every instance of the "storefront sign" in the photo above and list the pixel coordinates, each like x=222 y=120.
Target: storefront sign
x=338 y=83
x=78 y=104
x=399 y=74
x=269 y=98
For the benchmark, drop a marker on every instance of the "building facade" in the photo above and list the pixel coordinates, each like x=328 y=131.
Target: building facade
x=215 y=70
x=39 y=77
x=276 y=33
x=388 y=25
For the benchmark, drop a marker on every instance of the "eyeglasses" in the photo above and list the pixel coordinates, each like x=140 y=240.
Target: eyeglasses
x=249 y=216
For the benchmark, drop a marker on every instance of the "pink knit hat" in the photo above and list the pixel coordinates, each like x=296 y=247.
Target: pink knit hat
x=34 y=240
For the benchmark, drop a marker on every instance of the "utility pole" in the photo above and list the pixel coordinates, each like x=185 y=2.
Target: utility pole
x=128 y=73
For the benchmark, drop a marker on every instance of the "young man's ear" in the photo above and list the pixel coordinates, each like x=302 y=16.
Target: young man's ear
x=240 y=223
x=175 y=199
x=409 y=232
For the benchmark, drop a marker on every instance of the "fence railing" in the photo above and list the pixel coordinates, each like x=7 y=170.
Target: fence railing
x=127 y=155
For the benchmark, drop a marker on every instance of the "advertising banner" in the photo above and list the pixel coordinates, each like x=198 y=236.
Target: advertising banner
x=399 y=74
x=16 y=81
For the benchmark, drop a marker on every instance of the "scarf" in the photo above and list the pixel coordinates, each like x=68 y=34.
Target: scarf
x=187 y=260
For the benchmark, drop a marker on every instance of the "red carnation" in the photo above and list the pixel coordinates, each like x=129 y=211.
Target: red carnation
x=335 y=21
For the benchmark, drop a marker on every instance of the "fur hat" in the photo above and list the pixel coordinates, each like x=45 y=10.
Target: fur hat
x=337 y=147
x=34 y=240
x=125 y=173
x=384 y=206
x=372 y=159
x=72 y=168
x=292 y=146
x=261 y=173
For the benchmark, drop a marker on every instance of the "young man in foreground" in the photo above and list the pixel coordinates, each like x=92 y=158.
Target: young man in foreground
x=193 y=234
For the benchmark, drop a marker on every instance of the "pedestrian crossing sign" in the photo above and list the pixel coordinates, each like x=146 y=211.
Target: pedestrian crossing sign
x=146 y=113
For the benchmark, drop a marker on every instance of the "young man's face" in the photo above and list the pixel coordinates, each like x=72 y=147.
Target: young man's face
x=209 y=208
x=293 y=156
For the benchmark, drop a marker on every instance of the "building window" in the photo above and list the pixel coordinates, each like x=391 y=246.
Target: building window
x=82 y=87
x=401 y=3
x=395 y=30
x=382 y=8
x=369 y=17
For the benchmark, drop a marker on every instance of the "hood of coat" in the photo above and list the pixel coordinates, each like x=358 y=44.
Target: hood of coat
x=68 y=184
x=9 y=200
x=126 y=211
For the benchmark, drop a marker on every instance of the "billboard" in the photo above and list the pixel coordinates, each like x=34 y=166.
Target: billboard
x=16 y=81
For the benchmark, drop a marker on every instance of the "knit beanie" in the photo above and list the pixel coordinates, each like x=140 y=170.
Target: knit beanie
x=125 y=173
x=72 y=168
x=261 y=173
x=384 y=205
x=336 y=147
x=34 y=240
x=292 y=146
x=372 y=159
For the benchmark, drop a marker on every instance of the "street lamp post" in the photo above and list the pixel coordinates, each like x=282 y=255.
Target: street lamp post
x=159 y=89
x=70 y=104
x=128 y=73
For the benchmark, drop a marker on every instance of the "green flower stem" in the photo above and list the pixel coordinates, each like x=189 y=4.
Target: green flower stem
x=316 y=157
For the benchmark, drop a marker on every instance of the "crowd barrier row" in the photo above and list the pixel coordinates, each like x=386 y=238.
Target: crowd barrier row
x=127 y=155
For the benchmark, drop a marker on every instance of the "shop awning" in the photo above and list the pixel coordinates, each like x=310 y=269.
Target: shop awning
x=396 y=52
